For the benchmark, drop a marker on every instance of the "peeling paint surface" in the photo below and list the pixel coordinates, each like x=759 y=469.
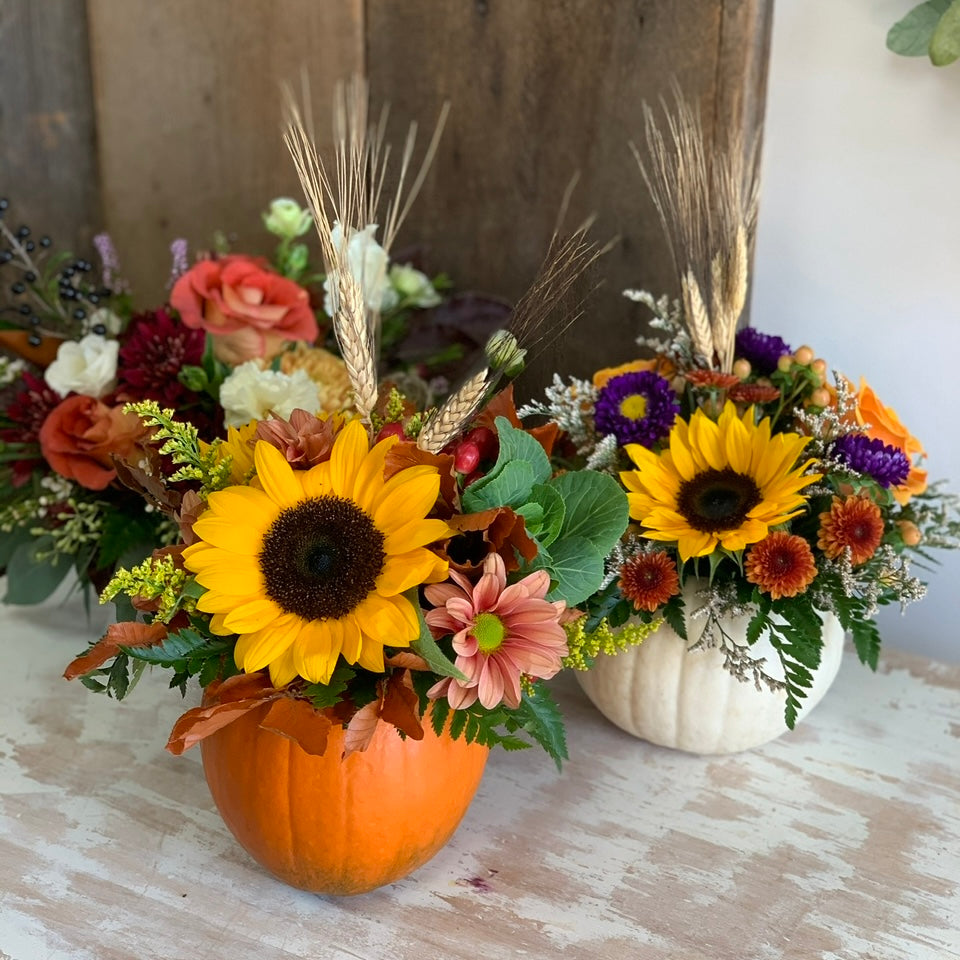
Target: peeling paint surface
x=840 y=841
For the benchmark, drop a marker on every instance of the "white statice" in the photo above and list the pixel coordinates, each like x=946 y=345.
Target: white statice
x=88 y=366
x=287 y=219
x=10 y=369
x=106 y=318
x=367 y=262
x=413 y=286
x=250 y=393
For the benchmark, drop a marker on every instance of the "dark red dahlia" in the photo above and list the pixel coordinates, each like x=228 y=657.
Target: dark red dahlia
x=156 y=347
x=26 y=414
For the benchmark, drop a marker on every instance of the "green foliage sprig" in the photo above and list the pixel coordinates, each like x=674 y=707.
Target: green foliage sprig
x=931 y=29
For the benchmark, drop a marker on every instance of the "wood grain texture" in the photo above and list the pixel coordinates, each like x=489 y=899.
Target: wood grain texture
x=840 y=841
x=539 y=91
x=48 y=163
x=189 y=115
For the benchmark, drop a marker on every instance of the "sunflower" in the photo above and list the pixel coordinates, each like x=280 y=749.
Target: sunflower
x=311 y=565
x=720 y=484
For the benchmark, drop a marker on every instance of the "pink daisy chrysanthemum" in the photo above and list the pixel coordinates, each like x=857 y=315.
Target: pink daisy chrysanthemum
x=500 y=633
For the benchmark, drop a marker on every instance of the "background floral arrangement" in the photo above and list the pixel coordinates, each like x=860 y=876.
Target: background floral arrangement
x=367 y=563
x=784 y=495
x=240 y=336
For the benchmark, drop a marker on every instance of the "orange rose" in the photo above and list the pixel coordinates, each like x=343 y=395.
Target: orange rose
x=659 y=365
x=885 y=425
x=250 y=310
x=81 y=433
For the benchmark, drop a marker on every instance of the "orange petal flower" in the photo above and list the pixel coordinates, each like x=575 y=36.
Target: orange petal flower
x=649 y=580
x=781 y=564
x=659 y=365
x=855 y=523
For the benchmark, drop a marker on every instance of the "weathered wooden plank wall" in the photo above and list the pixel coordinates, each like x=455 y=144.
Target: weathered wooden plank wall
x=48 y=160
x=187 y=117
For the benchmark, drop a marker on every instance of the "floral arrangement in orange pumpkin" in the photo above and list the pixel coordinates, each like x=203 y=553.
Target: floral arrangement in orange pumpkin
x=388 y=562
x=786 y=496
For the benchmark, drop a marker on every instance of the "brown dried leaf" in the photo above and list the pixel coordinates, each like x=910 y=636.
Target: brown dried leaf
x=147 y=484
x=503 y=405
x=406 y=659
x=201 y=722
x=125 y=634
x=401 y=704
x=191 y=507
x=504 y=532
x=358 y=733
x=300 y=722
x=407 y=454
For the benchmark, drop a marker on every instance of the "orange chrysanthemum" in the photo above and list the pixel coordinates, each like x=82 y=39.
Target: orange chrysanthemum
x=649 y=580
x=781 y=564
x=855 y=524
x=711 y=378
x=752 y=393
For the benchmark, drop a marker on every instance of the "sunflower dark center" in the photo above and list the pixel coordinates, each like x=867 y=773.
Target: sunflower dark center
x=321 y=558
x=717 y=500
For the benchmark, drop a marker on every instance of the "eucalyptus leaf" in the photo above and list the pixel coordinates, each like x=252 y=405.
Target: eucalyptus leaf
x=945 y=42
x=30 y=579
x=596 y=508
x=9 y=542
x=911 y=36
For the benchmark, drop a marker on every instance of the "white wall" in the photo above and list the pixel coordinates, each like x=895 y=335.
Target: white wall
x=858 y=249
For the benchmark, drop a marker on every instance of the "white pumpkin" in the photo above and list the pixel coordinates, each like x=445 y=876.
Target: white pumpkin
x=665 y=693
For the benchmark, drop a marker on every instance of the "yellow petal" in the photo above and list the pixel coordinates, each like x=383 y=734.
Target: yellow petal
x=256 y=650
x=392 y=621
x=349 y=451
x=279 y=481
x=252 y=616
x=409 y=495
x=241 y=581
x=371 y=656
x=248 y=504
x=283 y=670
x=352 y=638
x=416 y=533
x=229 y=534
x=683 y=461
x=317 y=649
x=405 y=570
x=369 y=482
x=316 y=481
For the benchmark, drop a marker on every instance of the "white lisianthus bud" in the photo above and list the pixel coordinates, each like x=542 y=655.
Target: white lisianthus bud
x=367 y=262
x=504 y=353
x=286 y=219
x=413 y=286
x=250 y=393
x=88 y=367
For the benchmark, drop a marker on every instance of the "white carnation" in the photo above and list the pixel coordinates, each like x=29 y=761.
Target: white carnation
x=88 y=366
x=250 y=393
x=367 y=262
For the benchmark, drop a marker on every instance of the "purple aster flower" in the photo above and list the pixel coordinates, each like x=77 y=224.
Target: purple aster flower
x=763 y=350
x=637 y=407
x=887 y=465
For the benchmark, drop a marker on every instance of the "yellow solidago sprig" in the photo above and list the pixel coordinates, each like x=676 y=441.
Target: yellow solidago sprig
x=196 y=460
x=157 y=578
x=586 y=646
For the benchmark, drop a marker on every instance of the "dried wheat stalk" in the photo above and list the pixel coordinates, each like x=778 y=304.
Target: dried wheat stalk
x=352 y=198
x=454 y=413
x=706 y=197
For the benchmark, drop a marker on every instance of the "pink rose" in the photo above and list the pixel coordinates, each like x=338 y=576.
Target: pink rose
x=250 y=310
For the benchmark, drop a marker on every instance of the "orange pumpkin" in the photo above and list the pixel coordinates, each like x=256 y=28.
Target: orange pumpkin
x=340 y=826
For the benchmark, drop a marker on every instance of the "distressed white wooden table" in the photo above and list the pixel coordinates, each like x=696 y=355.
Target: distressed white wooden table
x=840 y=841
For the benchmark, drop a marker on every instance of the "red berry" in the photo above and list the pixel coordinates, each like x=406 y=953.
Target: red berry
x=476 y=475
x=467 y=457
x=486 y=441
x=391 y=430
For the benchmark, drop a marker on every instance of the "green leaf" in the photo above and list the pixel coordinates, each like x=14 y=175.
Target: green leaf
x=911 y=36
x=541 y=718
x=118 y=680
x=510 y=487
x=32 y=580
x=554 y=511
x=673 y=614
x=458 y=720
x=324 y=695
x=576 y=567
x=427 y=647
x=439 y=712
x=124 y=536
x=596 y=508
x=866 y=638
x=10 y=541
x=516 y=444
x=177 y=646
x=945 y=42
